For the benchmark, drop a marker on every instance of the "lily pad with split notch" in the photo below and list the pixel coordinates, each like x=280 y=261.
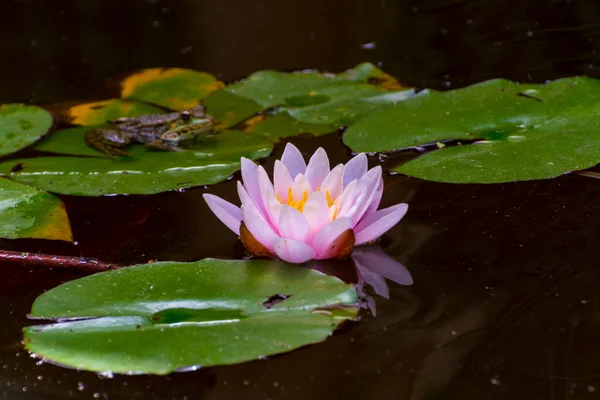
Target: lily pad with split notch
x=515 y=132
x=167 y=316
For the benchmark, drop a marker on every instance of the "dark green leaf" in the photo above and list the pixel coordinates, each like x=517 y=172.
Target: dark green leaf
x=163 y=317
x=21 y=125
x=229 y=109
x=209 y=161
x=521 y=132
x=174 y=88
x=279 y=126
x=313 y=97
x=30 y=213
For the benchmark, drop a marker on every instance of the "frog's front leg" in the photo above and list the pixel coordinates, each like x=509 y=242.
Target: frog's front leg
x=108 y=141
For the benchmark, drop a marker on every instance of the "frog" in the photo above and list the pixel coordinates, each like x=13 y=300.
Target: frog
x=163 y=132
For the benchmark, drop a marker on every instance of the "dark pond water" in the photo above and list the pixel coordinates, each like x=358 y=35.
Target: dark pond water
x=505 y=302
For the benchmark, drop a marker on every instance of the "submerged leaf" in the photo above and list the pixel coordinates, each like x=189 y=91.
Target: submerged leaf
x=26 y=212
x=169 y=316
x=520 y=132
x=21 y=125
x=174 y=88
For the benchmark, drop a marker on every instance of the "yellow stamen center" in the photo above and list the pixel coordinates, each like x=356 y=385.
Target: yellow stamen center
x=299 y=204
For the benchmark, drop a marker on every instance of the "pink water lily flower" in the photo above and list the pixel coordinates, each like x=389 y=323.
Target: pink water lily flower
x=309 y=211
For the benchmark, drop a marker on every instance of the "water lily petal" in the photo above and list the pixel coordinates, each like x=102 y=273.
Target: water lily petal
x=293 y=251
x=293 y=225
x=354 y=204
x=329 y=233
x=282 y=179
x=355 y=168
x=333 y=182
x=376 y=198
x=379 y=222
x=293 y=160
x=268 y=198
x=318 y=168
x=301 y=186
x=370 y=181
x=250 y=179
x=228 y=213
x=347 y=198
x=316 y=211
x=259 y=228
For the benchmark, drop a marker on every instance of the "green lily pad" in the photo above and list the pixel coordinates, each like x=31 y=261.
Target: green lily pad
x=520 y=132
x=101 y=111
x=21 y=125
x=314 y=97
x=70 y=141
x=229 y=109
x=30 y=213
x=174 y=88
x=275 y=127
x=168 y=316
x=209 y=161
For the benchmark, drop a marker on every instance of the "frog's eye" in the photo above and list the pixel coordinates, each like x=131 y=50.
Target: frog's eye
x=185 y=115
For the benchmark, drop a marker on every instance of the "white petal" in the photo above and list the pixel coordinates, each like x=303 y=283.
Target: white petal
x=293 y=251
x=378 y=223
x=293 y=225
x=333 y=182
x=355 y=168
x=293 y=160
x=328 y=234
x=318 y=168
x=282 y=179
x=228 y=213
x=259 y=228
x=316 y=212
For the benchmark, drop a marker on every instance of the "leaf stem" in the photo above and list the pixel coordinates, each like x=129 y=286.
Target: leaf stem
x=53 y=261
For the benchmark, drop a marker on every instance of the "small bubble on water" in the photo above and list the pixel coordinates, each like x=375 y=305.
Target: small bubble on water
x=591 y=388
x=80 y=386
x=495 y=380
x=96 y=395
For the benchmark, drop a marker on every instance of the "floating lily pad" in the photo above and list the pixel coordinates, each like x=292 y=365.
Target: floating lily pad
x=314 y=97
x=229 y=109
x=30 y=213
x=21 y=125
x=209 y=161
x=162 y=317
x=516 y=132
x=174 y=88
x=275 y=127
x=70 y=141
x=101 y=111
